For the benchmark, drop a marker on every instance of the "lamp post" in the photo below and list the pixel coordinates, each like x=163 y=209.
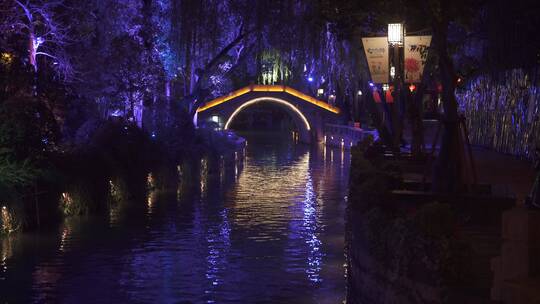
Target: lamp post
x=396 y=40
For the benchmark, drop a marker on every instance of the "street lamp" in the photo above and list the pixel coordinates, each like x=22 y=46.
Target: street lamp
x=396 y=41
x=396 y=34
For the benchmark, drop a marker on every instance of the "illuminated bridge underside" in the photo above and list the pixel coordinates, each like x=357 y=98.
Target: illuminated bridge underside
x=309 y=114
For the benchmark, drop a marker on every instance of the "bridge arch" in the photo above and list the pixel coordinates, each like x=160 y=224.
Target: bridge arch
x=308 y=113
x=301 y=121
x=279 y=101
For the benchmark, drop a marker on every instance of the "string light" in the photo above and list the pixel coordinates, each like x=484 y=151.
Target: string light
x=272 y=99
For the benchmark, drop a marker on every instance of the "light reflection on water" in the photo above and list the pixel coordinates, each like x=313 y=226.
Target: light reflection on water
x=268 y=231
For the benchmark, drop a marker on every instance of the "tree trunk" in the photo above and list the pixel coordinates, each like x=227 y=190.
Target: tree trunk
x=417 y=127
x=375 y=114
x=32 y=57
x=447 y=171
x=168 y=88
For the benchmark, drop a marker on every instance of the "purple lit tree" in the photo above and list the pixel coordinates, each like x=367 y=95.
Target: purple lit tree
x=37 y=23
x=209 y=39
x=223 y=45
x=120 y=56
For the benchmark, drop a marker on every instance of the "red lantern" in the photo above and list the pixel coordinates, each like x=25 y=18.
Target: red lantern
x=376 y=96
x=389 y=97
x=412 y=87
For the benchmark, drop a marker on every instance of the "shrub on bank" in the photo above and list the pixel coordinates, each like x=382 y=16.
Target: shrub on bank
x=28 y=138
x=107 y=165
x=416 y=256
x=110 y=168
x=371 y=179
x=114 y=164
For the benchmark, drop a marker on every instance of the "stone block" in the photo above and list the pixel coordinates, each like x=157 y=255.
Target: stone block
x=521 y=224
x=521 y=291
x=516 y=260
x=496 y=287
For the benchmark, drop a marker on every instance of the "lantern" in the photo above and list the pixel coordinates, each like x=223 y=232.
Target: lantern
x=376 y=97
x=388 y=96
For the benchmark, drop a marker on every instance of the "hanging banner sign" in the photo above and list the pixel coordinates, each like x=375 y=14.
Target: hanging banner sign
x=376 y=50
x=416 y=53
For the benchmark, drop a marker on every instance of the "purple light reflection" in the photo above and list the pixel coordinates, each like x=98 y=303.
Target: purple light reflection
x=310 y=226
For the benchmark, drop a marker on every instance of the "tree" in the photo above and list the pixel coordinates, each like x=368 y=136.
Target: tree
x=131 y=77
x=439 y=17
x=442 y=16
x=37 y=24
x=283 y=42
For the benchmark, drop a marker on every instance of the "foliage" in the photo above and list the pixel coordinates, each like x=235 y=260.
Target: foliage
x=28 y=132
x=422 y=247
x=37 y=26
x=72 y=203
x=13 y=174
x=174 y=131
x=371 y=179
x=132 y=75
x=129 y=54
x=435 y=220
x=108 y=168
x=9 y=221
x=85 y=183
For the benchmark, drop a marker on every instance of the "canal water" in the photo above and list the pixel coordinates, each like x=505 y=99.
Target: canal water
x=270 y=232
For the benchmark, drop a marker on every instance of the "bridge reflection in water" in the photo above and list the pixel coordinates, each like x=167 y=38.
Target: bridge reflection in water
x=275 y=235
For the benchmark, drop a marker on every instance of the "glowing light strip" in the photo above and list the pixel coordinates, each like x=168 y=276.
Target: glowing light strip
x=269 y=88
x=276 y=100
x=311 y=100
x=223 y=99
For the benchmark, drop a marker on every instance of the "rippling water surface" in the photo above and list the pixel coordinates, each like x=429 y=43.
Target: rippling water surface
x=272 y=231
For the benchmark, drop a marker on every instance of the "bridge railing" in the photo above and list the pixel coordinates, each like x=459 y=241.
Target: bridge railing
x=345 y=136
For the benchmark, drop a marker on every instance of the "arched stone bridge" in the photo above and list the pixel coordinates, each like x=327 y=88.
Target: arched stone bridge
x=309 y=114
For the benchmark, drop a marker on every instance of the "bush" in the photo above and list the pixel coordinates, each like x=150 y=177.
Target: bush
x=110 y=168
x=437 y=224
x=28 y=129
x=10 y=219
x=435 y=220
x=371 y=179
x=421 y=248
x=28 y=137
